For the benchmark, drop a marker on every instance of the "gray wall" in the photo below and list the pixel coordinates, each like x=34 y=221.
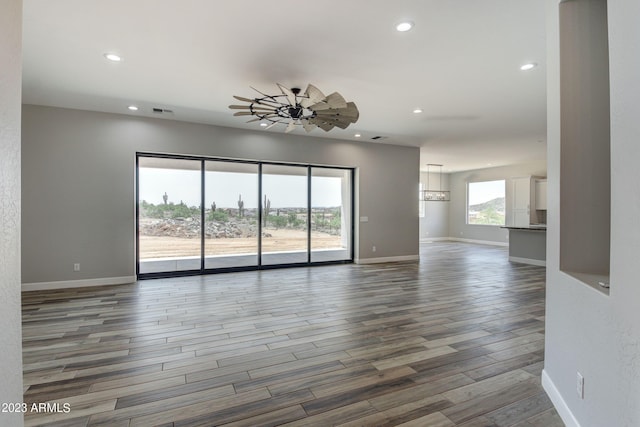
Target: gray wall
x=10 y=99
x=78 y=185
x=458 y=227
x=586 y=330
x=435 y=223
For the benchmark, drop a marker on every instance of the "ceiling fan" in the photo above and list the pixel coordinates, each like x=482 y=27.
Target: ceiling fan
x=310 y=109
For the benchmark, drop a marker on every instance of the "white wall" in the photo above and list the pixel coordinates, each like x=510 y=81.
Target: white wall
x=78 y=186
x=435 y=222
x=10 y=99
x=588 y=331
x=458 y=227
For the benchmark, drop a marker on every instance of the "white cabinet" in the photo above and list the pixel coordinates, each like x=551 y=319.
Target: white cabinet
x=528 y=195
x=541 y=194
x=522 y=201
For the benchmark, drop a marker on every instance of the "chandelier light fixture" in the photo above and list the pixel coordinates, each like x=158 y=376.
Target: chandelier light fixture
x=310 y=109
x=431 y=195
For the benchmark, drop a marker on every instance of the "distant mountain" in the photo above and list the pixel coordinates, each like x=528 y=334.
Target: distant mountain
x=497 y=204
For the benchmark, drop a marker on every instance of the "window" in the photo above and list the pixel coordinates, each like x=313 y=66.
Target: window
x=486 y=203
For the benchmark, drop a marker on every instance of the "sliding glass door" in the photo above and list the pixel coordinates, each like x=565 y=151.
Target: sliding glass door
x=198 y=215
x=285 y=214
x=330 y=214
x=169 y=217
x=231 y=215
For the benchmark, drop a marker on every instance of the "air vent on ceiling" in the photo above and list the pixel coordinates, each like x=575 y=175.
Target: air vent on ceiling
x=162 y=111
x=378 y=137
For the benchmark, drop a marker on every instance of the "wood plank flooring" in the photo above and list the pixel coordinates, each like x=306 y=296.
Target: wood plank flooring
x=455 y=340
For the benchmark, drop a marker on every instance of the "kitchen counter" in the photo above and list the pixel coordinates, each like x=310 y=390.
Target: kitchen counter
x=532 y=227
x=528 y=245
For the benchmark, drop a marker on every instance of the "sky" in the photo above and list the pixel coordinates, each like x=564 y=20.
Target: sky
x=225 y=187
x=480 y=192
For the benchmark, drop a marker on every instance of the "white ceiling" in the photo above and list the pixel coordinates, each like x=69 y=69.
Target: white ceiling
x=460 y=64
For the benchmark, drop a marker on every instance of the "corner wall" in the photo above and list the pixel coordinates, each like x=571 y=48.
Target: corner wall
x=78 y=186
x=10 y=99
x=586 y=330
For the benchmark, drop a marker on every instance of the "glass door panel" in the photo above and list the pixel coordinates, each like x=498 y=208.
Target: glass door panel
x=169 y=221
x=231 y=215
x=284 y=219
x=330 y=214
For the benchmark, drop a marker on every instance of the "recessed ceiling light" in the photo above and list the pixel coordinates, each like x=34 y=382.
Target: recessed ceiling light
x=417 y=111
x=113 y=57
x=357 y=135
x=264 y=125
x=132 y=108
x=529 y=66
x=404 y=26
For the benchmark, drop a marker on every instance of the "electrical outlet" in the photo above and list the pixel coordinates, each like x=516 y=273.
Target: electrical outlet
x=580 y=385
x=373 y=249
x=76 y=266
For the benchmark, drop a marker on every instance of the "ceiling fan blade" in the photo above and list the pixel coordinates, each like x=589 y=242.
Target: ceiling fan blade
x=350 y=111
x=341 y=124
x=322 y=105
x=243 y=113
x=262 y=117
x=308 y=126
x=335 y=100
x=252 y=107
x=265 y=102
x=271 y=125
x=241 y=98
x=261 y=93
x=291 y=126
x=291 y=97
x=313 y=95
x=325 y=126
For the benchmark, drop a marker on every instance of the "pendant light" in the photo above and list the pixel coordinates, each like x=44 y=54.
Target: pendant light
x=431 y=195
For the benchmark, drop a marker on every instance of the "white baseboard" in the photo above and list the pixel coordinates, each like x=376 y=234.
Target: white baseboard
x=531 y=261
x=67 y=284
x=480 y=242
x=387 y=259
x=558 y=402
x=434 y=239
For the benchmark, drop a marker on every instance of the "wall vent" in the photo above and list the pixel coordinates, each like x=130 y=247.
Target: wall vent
x=378 y=137
x=162 y=111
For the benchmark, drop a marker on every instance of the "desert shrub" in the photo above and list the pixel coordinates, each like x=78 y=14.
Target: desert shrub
x=183 y=211
x=294 y=221
x=278 y=221
x=169 y=210
x=219 y=216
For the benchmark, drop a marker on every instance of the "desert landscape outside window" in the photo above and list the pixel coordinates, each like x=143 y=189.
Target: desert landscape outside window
x=199 y=214
x=486 y=203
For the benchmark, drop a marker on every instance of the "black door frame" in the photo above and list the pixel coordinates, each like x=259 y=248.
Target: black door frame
x=259 y=266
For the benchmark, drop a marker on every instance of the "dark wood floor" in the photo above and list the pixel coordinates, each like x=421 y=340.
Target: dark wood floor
x=455 y=340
